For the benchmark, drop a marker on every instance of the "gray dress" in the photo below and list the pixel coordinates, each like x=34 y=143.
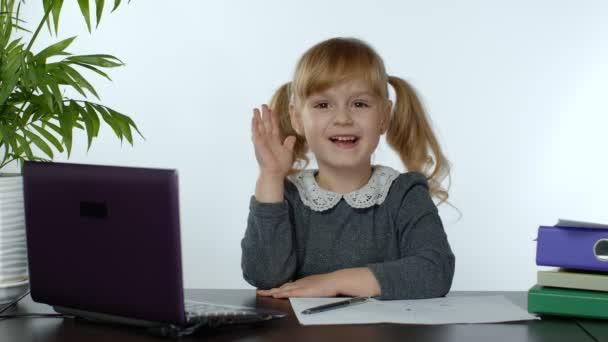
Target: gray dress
x=393 y=228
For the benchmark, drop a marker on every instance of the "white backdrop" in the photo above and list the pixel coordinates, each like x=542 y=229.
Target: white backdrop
x=516 y=91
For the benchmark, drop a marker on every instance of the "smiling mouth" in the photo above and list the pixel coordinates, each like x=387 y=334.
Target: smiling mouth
x=344 y=141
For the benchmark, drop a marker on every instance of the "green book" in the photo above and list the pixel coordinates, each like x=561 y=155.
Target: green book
x=567 y=302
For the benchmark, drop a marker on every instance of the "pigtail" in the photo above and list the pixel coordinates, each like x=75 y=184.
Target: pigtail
x=279 y=104
x=411 y=136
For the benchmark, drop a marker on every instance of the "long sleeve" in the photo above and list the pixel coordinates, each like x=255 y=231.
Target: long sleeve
x=426 y=265
x=268 y=256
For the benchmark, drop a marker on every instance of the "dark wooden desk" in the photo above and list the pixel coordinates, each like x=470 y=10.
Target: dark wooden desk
x=288 y=329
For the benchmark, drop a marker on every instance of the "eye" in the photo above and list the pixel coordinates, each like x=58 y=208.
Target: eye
x=322 y=105
x=361 y=104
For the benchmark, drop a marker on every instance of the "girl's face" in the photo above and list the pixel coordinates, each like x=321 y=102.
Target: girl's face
x=342 y=124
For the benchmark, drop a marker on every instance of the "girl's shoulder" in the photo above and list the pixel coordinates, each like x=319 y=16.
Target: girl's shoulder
x=408 y=180
x=410 y=194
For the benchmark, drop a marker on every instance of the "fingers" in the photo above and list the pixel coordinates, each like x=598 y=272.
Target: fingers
x=266 y=123
x=266 y=120
x=257 y=128
x=274 y=123
x=260 y=142
x=271 y=153
x=254 y=126
x=284 y=291
x=255 y=131
x=287 y=293
x=290 y=142
x=268 y=293
x=279 y=293
x=258 y=125
x=265 y=128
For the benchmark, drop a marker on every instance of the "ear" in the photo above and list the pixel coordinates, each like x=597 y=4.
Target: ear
x=296 y=119
x=386 y=117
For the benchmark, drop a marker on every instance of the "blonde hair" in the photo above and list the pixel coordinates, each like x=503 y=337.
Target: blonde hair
x=409 y=133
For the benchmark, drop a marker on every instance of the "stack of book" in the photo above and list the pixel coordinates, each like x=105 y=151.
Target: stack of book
x=579 y=284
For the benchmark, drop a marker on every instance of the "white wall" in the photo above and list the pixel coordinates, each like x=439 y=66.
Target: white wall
x=516 y=90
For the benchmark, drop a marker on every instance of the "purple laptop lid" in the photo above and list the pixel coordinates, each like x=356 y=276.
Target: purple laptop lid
x=105 y=239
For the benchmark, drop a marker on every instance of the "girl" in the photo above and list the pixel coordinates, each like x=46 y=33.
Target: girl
x=349 y=228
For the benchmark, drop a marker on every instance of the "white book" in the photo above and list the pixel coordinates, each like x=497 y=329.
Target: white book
x=579 y=224
x=594 y=281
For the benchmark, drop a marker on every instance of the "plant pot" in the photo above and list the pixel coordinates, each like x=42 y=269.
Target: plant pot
x=13 y=252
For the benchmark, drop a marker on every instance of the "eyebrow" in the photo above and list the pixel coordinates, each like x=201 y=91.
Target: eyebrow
x=360 y=93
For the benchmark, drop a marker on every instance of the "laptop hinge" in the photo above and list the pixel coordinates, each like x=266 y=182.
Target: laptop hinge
x=102 y=317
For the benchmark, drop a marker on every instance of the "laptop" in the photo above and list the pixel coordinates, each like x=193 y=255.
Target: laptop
x=104 y=244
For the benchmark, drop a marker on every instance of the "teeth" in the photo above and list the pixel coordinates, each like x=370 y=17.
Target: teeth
x=344 y=138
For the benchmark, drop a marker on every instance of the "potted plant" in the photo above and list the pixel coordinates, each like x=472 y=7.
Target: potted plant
x=37 y=118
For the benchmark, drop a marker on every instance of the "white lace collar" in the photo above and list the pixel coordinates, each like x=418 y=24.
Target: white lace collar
x=319 y=199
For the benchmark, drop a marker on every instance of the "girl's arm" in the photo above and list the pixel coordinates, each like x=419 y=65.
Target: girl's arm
x=426 y=266
x=268 y=257
x=268 y=248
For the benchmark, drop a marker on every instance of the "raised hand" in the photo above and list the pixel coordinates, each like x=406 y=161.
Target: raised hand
x=274 y=157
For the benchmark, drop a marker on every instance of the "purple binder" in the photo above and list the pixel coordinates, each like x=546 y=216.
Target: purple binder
x=576 y=248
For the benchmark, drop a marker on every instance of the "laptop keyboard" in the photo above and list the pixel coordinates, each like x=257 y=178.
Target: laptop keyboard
x=214 y=314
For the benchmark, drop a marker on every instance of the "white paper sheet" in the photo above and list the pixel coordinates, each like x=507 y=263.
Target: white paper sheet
x=446 y=310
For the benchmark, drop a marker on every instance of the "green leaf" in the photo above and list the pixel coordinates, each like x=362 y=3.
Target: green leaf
x=56 y=11
x=47 y=5
x=54 y=87
x=66 y=122
x=109 y=120
x=94 y=118
x=81 y=81
x=50 y=137
x=88 y=122
x=54 y=127
x=7 y=139
x=123 y=124
x=11 y=110
x=116 y=4
x=106 y=61
x=89 y=130
x=55 y=49
x=99 y=7
x=42 y=109
x=93 y=69
x=47 y=95
x=13 y=45
x=24 y=145
x=56 y=70
x=6 y=24
x=132 y=123
x=9 y=75
x=8 y=85
x=17 y=20
x=21 y=28
x=75 y=110
x=29 y=77
x=42 y=145
x=27 y=113
x=84 y=9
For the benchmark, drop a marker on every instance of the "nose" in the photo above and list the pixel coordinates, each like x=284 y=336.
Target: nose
x=343 y=117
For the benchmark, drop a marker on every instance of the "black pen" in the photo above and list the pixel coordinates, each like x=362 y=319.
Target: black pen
x=335 y=305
